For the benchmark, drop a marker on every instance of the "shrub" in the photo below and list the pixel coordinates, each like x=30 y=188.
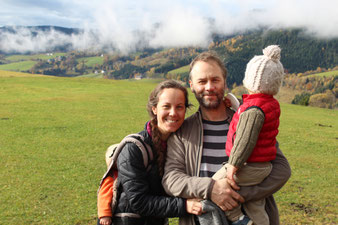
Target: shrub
x=302 y=99
x=335 y=91
x=323 y=100
x=239 y=91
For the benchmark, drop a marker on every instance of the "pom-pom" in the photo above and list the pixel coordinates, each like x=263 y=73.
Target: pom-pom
x=272 y=52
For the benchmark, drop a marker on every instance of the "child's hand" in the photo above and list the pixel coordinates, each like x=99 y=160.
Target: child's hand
x=231 y=171
x=194 y=206
x=227 y=102
x=106 y=220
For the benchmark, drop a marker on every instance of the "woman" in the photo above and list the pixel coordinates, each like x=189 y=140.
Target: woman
x=141 y=190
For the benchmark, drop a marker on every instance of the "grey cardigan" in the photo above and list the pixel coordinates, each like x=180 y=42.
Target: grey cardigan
x=183 y=165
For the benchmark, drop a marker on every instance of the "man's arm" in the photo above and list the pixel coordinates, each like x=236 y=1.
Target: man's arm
x=279 y=175
x=176 y=180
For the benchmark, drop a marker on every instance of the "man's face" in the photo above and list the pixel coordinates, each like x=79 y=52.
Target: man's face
x=207 y=83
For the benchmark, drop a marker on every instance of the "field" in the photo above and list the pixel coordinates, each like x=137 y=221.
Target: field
x=54 y=132
x=16 y=58
x=91 y=61
x=325 y=74
x=180 y=70
x=92 y=75
x=18 y=66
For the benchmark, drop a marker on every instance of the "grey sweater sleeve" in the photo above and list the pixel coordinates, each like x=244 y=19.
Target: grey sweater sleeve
x=248 y=128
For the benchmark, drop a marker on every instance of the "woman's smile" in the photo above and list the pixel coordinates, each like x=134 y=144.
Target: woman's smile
x=170 y=111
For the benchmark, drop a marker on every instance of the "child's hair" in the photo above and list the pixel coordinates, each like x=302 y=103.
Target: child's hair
x=152 y=102
x=264 y=73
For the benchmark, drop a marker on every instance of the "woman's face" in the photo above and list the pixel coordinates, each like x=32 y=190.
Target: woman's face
x=170 y=111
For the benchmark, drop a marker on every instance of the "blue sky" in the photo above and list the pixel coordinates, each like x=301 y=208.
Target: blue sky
x=183 y=22
x=77 y=13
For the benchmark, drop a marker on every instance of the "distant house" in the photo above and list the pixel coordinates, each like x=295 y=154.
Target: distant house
x=138 y=76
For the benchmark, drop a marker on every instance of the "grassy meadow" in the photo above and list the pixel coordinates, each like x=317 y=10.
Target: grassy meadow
x=183 y=69
x=54 y=133
x=18 y=66
x=16 y=58
x=91 y=61
x=325 y=74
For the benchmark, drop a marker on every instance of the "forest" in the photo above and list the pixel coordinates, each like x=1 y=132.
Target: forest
x=302 y=55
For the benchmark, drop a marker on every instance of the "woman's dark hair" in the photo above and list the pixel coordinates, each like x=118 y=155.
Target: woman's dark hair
x=155 y=133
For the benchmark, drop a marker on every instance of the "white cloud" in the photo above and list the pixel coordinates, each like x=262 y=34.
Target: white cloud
x=182 y=28
x=182 y=23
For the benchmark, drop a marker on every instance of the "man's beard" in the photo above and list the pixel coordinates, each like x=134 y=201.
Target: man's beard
x=207 y=103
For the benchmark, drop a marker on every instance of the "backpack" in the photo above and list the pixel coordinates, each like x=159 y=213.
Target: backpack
x=111 y=156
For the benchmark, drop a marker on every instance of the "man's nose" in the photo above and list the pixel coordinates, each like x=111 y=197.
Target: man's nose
x=209 y=86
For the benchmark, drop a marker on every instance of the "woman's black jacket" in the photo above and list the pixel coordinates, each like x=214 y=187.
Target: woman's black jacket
x=142 y=192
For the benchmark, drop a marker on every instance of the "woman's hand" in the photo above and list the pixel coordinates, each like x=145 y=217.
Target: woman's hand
x=194 y=206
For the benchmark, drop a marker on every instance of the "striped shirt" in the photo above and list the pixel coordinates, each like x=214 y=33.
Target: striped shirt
x=214 y=138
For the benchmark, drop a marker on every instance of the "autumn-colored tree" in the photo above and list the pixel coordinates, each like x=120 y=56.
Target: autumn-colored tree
x=308 y=86
x=323 y=100
x=239 y=91
x=335 y=91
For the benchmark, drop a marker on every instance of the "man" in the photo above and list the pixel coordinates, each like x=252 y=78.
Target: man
x=197 y=150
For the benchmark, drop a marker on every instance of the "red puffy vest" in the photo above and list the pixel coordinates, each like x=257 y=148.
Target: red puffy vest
x=265 y=149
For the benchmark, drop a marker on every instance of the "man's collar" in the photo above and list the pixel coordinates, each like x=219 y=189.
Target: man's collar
x=228 y=115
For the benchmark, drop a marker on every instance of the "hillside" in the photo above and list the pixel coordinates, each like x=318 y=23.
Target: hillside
x=34 y=29
x=300 y=53
x=54 y=133
x=302 y=56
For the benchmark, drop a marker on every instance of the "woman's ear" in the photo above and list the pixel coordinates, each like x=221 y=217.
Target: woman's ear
x=154 y=110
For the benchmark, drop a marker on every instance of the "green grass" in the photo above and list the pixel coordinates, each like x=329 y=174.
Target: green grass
x=325 y=74
x=18 y=66
x=308 y=137
x=16 y=58
x=92 y=75
x=6 y=74
x=91 y=61
x=54 y=133
x=155 y=61
x=180 y=70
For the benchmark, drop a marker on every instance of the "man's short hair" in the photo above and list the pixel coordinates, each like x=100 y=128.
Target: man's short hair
x=206 y=57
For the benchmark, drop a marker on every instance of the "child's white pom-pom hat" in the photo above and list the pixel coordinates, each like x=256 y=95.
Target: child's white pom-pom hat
x=264 y=73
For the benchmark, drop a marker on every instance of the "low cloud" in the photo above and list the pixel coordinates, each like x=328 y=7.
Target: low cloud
x=115 y=25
